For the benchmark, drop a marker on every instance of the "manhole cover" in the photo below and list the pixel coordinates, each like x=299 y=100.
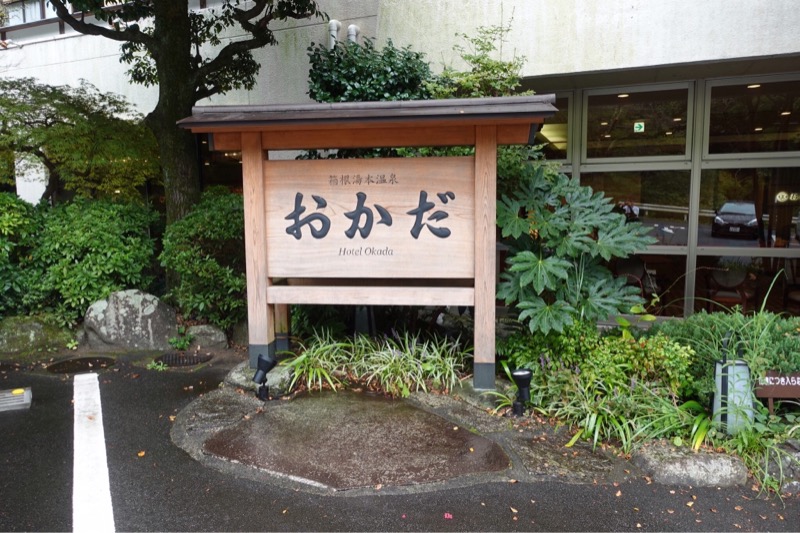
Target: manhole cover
x=81 y=364
x=179 y=359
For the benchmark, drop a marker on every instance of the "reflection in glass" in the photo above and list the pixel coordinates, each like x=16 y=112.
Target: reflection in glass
x=752 y=207
x=637 y=124
x=553 y=134
x=659 y=278
x=763 y=117
x=659 y=199
x=747 y=282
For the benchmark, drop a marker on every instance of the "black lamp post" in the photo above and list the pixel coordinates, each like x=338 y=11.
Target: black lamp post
x=263 y=366
x=522 y=379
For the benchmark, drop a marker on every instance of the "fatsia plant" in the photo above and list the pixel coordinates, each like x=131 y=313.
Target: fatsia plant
x=561 y=236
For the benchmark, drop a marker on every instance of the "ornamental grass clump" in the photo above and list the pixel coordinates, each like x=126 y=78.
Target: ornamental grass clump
x=397 y=366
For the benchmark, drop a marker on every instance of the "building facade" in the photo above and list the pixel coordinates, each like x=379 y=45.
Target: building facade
x=686 y=113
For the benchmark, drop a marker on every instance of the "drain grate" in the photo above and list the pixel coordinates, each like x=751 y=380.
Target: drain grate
x=179 y=359
x=81 y=364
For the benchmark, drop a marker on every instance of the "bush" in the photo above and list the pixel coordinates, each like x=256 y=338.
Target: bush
x=765 y=340
x=352 y=72
x=561 y=235
x=205 y=249
x=610 y=387
x=87 y=250
x=19 y=223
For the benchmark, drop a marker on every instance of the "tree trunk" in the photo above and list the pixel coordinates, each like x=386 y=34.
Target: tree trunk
x=176 y=96
x=180 y=169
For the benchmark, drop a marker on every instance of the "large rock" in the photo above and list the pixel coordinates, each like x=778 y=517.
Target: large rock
x=29 y=335
x=130 y=320
x=207 y=337
x=671 y=465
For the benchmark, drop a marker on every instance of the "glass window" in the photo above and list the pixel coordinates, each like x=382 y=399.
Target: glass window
x=220 y=168
x=16 y=14
x=750 y=207
x=756 y=117
x=553 y=134
x=637 y=124
x=24 y=11
x=658 y=199
x=33 y=10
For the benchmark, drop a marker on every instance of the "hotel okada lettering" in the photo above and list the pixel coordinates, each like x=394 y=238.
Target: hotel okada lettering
x=372 y=218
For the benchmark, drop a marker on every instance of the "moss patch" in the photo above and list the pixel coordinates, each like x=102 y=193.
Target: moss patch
x=29 y=338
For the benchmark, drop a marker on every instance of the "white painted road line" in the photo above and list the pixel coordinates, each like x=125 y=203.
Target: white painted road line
x=91 y=493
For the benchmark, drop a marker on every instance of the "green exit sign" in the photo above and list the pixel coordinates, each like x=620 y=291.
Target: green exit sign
x=638 y=127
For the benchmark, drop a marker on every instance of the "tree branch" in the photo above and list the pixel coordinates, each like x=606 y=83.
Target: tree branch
x=130 y=34
x=264 y=11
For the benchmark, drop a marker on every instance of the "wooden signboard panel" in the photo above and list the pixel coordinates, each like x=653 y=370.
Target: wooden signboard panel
x=371 y=218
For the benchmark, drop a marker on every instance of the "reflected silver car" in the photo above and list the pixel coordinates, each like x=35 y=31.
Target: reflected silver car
x=736 y=219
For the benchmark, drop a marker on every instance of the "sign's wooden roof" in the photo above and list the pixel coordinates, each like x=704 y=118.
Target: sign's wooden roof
x=396 y=114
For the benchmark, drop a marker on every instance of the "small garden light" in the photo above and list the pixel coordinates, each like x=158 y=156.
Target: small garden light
x=522 y=379
x=263 y=366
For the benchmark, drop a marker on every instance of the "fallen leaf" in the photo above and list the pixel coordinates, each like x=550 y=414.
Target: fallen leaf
x=141 y=453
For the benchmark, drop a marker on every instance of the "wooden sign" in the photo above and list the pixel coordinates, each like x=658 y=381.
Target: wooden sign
x=371 y=218
x=397 y=231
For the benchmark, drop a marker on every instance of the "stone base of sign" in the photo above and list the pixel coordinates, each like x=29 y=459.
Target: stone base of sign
x=282 y=342
x=483 y=377
x=254 y=350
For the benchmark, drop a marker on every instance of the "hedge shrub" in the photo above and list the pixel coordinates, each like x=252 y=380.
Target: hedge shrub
x=206 y=251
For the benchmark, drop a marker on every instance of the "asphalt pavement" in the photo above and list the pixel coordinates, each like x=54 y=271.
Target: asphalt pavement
x=157 y=485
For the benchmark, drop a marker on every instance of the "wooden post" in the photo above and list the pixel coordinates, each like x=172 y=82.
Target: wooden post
x=485 y=252
x=260 y=320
